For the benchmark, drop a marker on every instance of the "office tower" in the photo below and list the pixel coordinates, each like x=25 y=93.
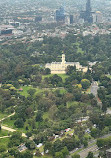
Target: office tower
x=71 y=19
x=38 y=19
x=60 y=15
x=87 y=15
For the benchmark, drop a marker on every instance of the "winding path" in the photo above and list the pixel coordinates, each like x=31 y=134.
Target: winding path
x=8 y=128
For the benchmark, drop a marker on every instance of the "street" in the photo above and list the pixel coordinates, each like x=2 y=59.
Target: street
x=94 y=88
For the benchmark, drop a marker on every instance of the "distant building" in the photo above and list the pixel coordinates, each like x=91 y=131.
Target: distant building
x=38 y=19
x=71 y=19
x=67 y=20
x=98 y=17
x=108 y=153
x=61 y=67
x=15 y=24
x=6 y=29
x=60 y=15
x=87 y=14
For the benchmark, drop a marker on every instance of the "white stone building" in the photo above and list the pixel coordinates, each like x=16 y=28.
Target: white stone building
x=61 y=67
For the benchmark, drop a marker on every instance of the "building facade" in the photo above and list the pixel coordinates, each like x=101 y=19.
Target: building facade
x=108 y=153
x=61 y=67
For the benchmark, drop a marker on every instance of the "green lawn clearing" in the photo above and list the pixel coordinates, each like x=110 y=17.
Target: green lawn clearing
x=63 y=76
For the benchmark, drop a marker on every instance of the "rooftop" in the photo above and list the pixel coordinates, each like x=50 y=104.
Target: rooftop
x=109 y=150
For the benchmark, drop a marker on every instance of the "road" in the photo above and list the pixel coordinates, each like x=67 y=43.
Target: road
x=94 y=88
x=83 y=153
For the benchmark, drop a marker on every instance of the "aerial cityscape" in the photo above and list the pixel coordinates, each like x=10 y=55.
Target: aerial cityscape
x=55 y=79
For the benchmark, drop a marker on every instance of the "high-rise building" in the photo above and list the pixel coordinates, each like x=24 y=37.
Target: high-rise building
x=60 y=15
x=97 y=17
x=71 y=19
x=87 y=15
x=38 y=19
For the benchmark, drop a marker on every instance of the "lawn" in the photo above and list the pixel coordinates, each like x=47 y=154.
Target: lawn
x=4 y=133
x=72 y=103
x=79 y=49
x=47 y=156
x=2 y=115
x=63 y=76
x=46 y=115
x=10 y=123
x=4 y=141
x=26 y=88
x=109 y=76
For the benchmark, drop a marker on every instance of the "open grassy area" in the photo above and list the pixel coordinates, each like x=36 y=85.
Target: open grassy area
x=72 y=103
x=109 y=76
x=4 y=141
x=79 y=50
x=62 y=91
x=63 y=76
x=47 y=156
x=10 y=123
x=2 y=115
x=4 y=133
x=26 y=88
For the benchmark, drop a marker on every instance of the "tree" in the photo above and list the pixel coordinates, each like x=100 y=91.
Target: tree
x=39 y=116
x=76 y=156
x=15 y=140
x=90 y=155
x=57 y=146
x=48 y=146
x=47 y=71
x=19 y=123
x=31 y=91
x=95 y=132
x=30 y=144
x=59 y=155
x=27 y=154
x=85 y=83
x=2 y=148
x=29 y=134
x=14 y=151
x=65 y=152
x=85 y=142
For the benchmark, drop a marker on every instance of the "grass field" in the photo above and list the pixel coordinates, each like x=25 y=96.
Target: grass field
x=10 y=123
x=43 y=156
x=4 y=141
x=2 y=115
x=109 y=76
x=79 y=49
x=72 y=103
x=26 y=88
x=63 y=76
x=4 y=133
